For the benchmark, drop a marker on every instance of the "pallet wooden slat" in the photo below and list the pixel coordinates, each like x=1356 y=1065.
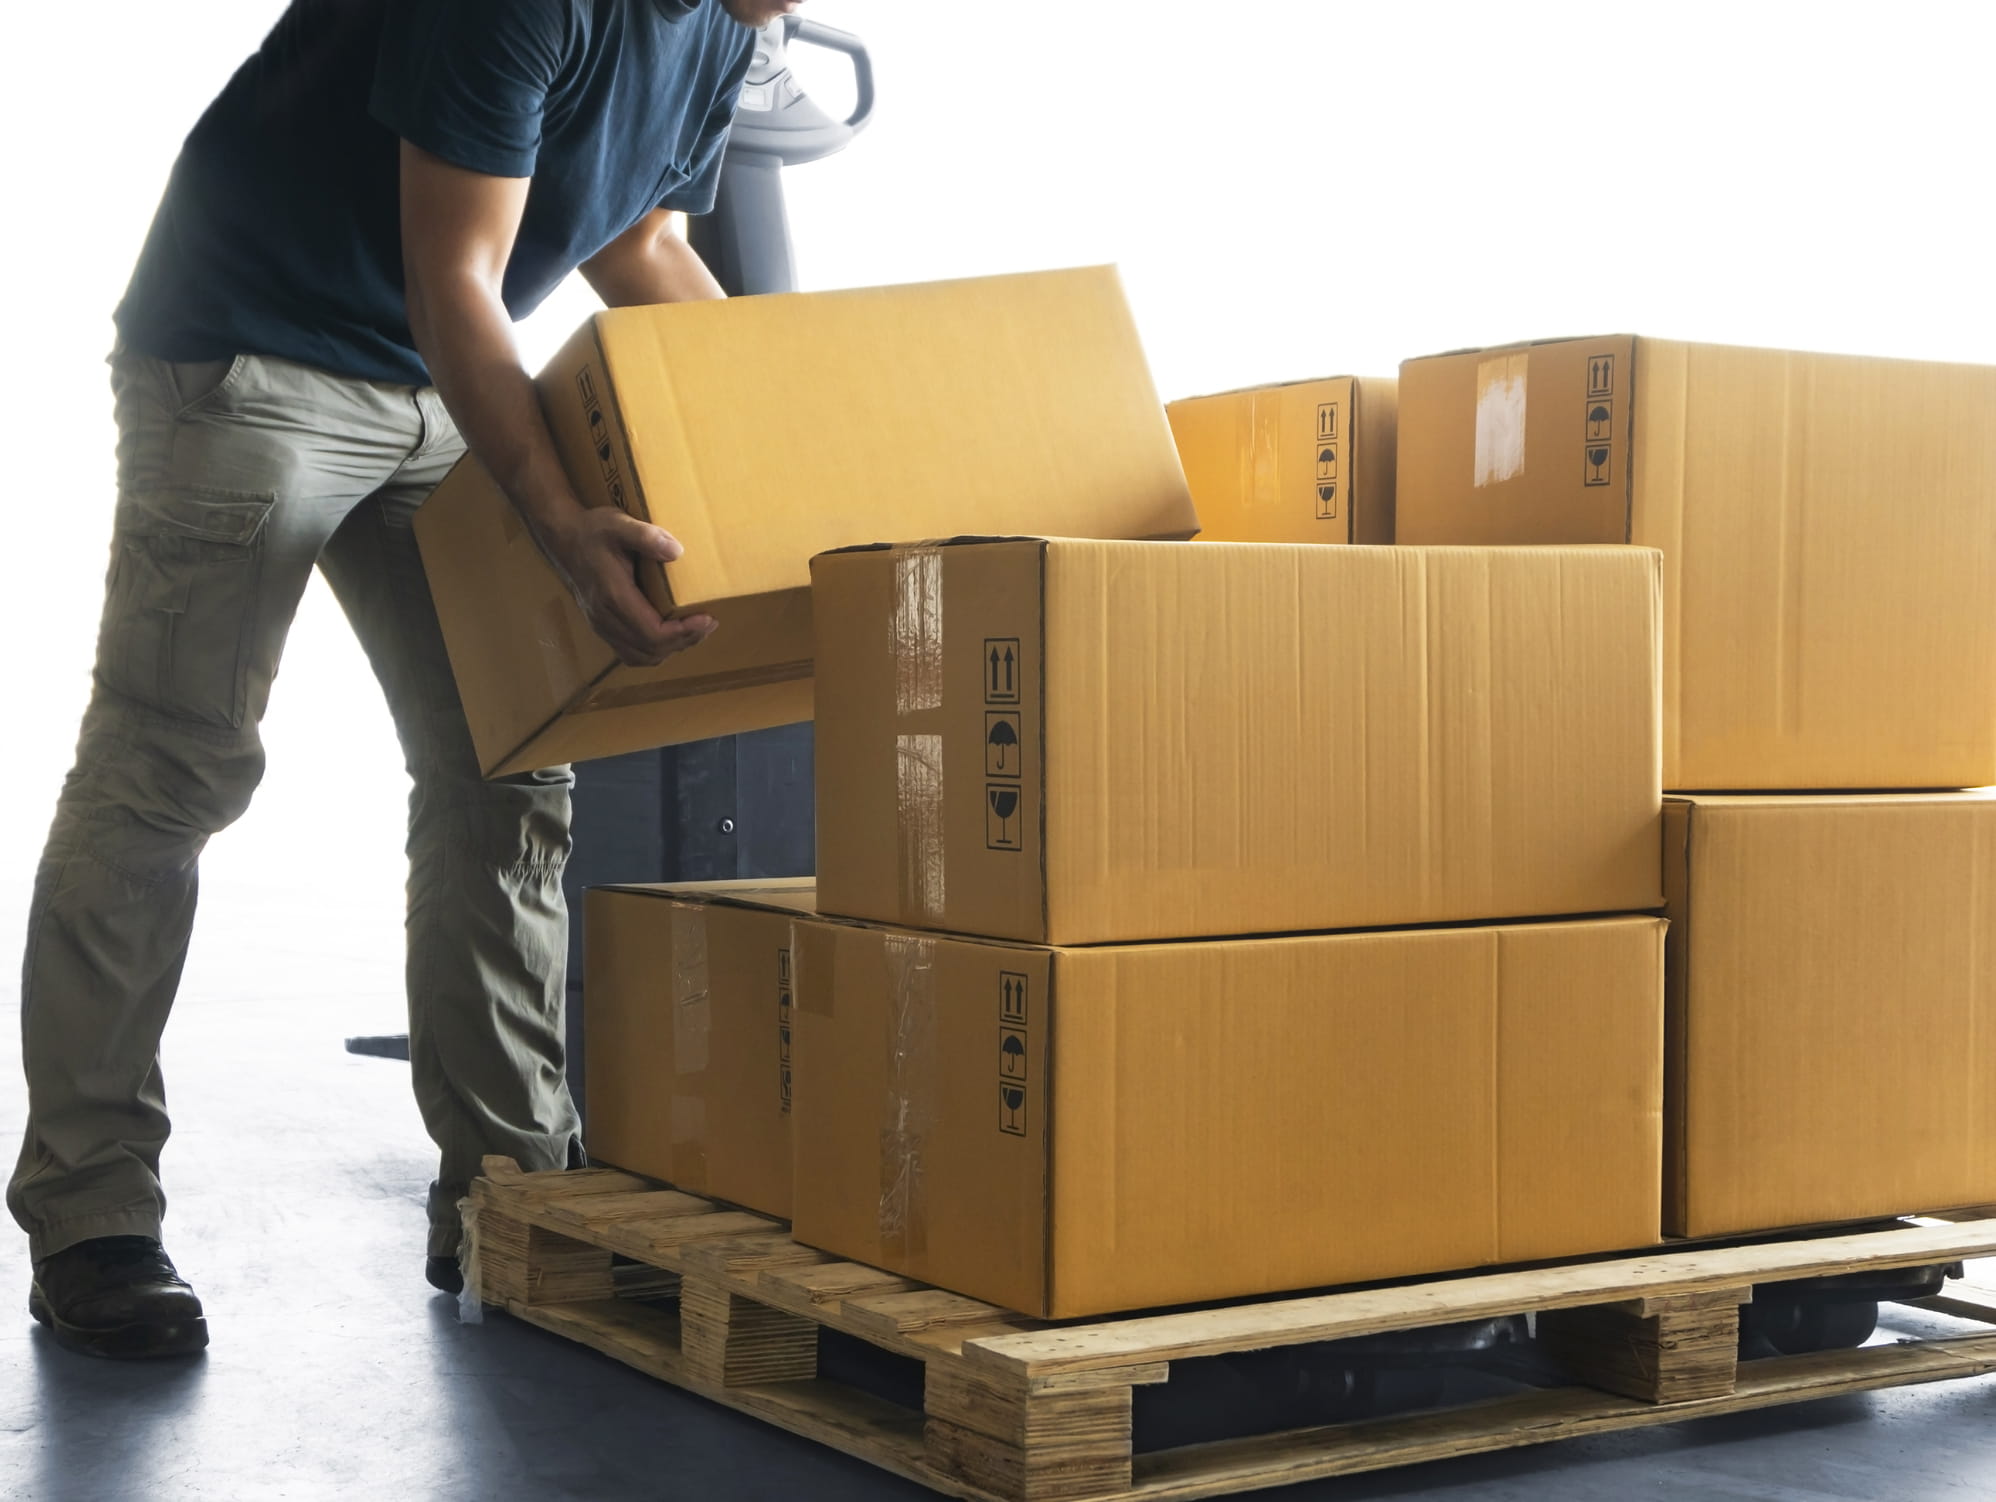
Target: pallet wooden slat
x=1017 y=1410
x=1340 y=1316
x=1535 y=1418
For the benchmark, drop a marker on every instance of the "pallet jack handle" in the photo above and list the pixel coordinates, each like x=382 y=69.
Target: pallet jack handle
x=818 y=34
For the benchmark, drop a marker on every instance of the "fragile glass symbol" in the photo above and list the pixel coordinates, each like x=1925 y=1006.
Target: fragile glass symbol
x=1012 y=1100
x=1004 y=803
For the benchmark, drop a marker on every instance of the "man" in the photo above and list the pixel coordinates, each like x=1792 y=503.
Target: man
x=323 y=304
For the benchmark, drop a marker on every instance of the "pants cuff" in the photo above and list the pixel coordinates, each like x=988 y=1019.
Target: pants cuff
x=60 y=1235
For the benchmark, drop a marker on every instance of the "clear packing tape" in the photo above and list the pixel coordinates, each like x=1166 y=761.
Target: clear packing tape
x=1260 y=452
x=917 y=648
x=909 y=1108
x=692 y=1027
x=918 y=630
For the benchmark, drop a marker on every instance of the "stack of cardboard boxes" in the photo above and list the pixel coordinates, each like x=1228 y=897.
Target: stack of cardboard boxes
x=1828 y=531
x=1057 y=780
x=1203 y=921
x=1023 y=1052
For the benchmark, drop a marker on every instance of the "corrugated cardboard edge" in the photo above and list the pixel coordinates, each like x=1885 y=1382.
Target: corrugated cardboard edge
x=1678 y=823
x=1050 y=1051
x=716 y=894
x=1654 y=473
x=654 y=578
x=523 y=757
x=1207 y=396
x=1046 y=787
x=1498 y=349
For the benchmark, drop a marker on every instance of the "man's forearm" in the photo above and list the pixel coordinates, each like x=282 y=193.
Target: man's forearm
x=652 y=263
x=465 y=337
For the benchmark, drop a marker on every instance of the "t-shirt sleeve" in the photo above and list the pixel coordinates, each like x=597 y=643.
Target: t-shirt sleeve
x=703 y=181
x=468 y=79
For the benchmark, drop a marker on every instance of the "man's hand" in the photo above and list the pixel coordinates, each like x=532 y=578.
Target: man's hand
x=596 y=553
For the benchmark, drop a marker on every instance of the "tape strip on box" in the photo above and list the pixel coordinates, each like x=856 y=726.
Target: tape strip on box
x=1261 y=455
x=1500 y=418
x=910 y=1104
x=918 y=817
x=692 y=1026
x=918 y=630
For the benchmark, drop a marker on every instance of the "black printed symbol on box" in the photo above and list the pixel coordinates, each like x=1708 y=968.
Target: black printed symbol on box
x=599 y=439
x=1597 y=464
x=1601 y=375
x=1004 y=748
x=1327 y=422
x=1001 y=670
x=1013 y=1060
x=1012 y=1109
x=1327 y=501
x=1012 y=1054
x=1600 y=421
x=1003 y=828
x=1012 y=997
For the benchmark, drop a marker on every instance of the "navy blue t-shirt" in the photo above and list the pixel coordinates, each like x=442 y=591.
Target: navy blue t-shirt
x=280 y=231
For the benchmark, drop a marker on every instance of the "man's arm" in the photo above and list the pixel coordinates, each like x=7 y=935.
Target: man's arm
x=458 y=228
x=651 y=263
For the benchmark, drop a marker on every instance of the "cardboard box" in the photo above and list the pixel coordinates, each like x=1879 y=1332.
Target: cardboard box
x=687 y=1005
x=1832 y=990
x=1829 y=543
x=1069 y=1132
x=763 y=430
x=1085 y=742
x=1310 y=461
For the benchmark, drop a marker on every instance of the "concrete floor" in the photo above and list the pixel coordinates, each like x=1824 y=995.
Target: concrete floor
x=297 y=1175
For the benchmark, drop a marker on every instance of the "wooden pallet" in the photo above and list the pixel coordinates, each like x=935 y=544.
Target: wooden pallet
x=1018 y=1410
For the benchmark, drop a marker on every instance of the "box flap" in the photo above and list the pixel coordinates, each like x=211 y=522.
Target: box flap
x=791 y=894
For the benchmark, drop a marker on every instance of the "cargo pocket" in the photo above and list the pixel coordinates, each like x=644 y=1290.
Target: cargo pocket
x=180 y=611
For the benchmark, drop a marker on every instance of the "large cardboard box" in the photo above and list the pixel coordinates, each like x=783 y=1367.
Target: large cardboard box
x=1829 y=543
x=1310 y=461
x=1085 y=742
x=766 y=429
x=687 y=1021
x=1832 y=995
x=1069 y=1132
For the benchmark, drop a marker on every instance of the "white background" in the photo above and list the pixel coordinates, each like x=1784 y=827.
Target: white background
x=1293 y=187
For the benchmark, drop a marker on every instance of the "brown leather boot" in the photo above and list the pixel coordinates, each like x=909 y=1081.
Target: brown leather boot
x=117 y=1296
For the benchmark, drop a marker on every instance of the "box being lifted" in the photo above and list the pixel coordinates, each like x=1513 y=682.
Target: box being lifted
x=1069 y=1132
x=1309 y=461
x=1086 y=742
x=765 y=429
x=1826 y=522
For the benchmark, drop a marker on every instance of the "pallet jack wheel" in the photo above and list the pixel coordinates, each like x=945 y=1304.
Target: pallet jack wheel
x=1835 y=1313
x=1795 y=1327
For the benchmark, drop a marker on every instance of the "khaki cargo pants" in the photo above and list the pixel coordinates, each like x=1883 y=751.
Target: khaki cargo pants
x=234 y=481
